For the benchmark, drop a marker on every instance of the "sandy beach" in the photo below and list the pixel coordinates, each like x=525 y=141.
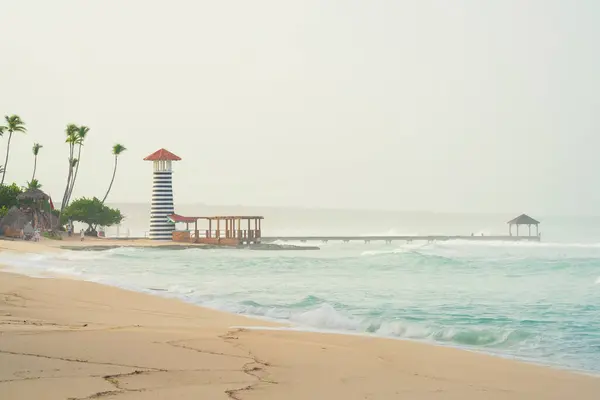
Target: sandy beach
x=69 y=339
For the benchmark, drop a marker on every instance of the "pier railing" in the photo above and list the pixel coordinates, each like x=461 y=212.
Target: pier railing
x=230 y=234
x=220 y=237
x=389 y=239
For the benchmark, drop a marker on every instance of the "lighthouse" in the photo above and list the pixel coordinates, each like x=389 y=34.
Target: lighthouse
x=162 y=194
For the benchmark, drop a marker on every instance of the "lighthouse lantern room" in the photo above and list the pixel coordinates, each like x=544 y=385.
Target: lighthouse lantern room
x=161 y=228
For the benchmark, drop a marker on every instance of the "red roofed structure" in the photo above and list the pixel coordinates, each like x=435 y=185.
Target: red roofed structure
x=162 y=155
x=180 y=218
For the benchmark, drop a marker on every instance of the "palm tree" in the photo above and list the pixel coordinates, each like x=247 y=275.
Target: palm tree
x=81 y=133
x=34 y=184
x=71 y=132
x=14 y=123
x=116 y=150
x=2 y=129
x=36 y=149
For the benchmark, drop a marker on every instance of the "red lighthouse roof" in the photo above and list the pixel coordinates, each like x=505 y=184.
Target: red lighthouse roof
x=162 y=155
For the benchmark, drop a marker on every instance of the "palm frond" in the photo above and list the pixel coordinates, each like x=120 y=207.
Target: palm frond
x=14 y=123
x=71 y=130
x=34 y=184
x=36 y=148
x=118 y=149
x=82 y=132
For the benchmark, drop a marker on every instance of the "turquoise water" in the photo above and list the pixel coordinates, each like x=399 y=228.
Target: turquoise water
x=536 y=302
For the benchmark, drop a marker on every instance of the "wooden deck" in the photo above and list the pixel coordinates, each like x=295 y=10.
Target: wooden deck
x=389 y=239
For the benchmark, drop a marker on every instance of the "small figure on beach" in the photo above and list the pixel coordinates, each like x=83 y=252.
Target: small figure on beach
x=81 y=234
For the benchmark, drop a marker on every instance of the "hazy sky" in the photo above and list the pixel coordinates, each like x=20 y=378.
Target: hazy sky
x=412 y=105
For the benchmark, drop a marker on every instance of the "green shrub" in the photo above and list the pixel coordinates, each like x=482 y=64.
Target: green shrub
x=93 y=213
x=8 y=195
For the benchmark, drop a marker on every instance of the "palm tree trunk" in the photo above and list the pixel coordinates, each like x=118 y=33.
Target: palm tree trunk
x=112 y=180
x=34 y=168
x=6 y=160
x=64 y=201
x=75 y=175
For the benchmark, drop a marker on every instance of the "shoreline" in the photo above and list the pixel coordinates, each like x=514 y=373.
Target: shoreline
x=99 y=244
x=532 y=380
x=274 y=324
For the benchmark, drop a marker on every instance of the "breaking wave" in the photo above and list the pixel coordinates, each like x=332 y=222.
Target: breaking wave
x=313 y=312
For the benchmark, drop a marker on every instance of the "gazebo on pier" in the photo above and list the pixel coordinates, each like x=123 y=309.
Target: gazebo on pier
x=237 y=230
x=524 y=219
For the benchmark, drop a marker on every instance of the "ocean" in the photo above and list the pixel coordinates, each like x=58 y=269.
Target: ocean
x=537 y=302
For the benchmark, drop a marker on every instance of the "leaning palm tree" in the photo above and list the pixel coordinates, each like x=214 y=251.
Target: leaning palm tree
x=36 y=149
x=81 y=133
x=71 y=132
x=116 y=150
x=14 y=123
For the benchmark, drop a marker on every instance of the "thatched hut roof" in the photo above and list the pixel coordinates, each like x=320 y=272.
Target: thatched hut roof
x=523 y=219
x=33 y=194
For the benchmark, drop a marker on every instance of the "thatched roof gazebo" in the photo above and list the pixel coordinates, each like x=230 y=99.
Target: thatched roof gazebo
x=523 y=219
x=33 y=195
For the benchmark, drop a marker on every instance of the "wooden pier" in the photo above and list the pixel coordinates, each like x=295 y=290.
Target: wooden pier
x=390 y=239
x=519 y=221
x=248 y=230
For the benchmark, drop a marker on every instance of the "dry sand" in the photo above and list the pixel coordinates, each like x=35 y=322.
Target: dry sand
x=68 y=339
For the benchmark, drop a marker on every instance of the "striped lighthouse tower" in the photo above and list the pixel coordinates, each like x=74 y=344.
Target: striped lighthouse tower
x=162 y=195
